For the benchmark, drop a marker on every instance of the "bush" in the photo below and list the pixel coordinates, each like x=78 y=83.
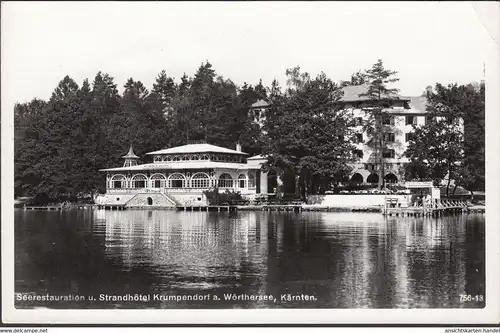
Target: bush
x=216 y=198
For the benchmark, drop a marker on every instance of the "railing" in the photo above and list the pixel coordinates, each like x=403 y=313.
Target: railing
x=133 y=190
x=176 y=189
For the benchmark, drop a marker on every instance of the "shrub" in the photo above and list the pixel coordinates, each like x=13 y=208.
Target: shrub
x=216 y=198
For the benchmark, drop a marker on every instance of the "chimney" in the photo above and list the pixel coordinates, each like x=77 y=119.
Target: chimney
x=238 y=146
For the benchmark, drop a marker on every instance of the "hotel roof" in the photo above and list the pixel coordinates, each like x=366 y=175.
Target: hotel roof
x=196 y=148
x=186 y=165
x=260 y=104
x=351 y=94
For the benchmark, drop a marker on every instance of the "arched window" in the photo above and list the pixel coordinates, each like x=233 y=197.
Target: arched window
x=176 y=180
x=139 y=181
x=242 y=179
x=184 y=158
x=391 y=178
x=176 y=159
x=118 y=181
x=204 y=157
x=157 y=159
x=225 y=180
x=251 y=180
x=200 y=180
x=372 y=178
x=158 y=180
x=167 y=158
x=357 y=178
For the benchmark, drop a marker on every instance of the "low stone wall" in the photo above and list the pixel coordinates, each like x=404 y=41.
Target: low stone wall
x=349 y=201
x=113 y=199
x=189 y=199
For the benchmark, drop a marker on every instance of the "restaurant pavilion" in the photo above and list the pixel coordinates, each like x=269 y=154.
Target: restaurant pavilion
x=178 y=176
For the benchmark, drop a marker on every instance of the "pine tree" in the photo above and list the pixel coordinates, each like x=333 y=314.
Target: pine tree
x=380 y=97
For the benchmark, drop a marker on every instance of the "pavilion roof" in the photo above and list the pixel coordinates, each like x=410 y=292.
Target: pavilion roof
x=186 y=165
x=196 y=148
x=130 y=153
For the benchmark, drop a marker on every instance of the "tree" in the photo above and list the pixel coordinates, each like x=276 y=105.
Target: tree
x=437 y=148
x=380 y=97
x=260 y=90
x=358 y=78
x=307 y=132
x=446 y=145
x=27 y=116
x=164 y=89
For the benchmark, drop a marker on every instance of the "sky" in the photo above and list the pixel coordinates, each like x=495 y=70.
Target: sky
x=426 y=42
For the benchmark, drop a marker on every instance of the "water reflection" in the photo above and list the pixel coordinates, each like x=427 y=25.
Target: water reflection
x=345 y=260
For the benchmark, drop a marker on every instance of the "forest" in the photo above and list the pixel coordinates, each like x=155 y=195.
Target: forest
x=61 y=143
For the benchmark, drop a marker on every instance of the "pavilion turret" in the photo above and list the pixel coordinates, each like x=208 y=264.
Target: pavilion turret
x=130 y=158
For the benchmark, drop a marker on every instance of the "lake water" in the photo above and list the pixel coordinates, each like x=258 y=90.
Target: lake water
x=189 y=259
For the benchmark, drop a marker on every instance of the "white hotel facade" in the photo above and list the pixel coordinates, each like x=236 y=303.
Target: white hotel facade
x=403 y=112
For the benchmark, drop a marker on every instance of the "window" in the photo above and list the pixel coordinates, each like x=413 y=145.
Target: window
x=358 y=153
x=411 y=120
x=200 y=180
x=409 y=137
x=359 y=121
x=225 y=180
x=241 y=181
x=389 y=137
x=176 y=180
x=388 y=120
x=359 y=137
x=118 y=181
x=158 y=181
x=251 y=180
x=139 y=181
x=388 y=153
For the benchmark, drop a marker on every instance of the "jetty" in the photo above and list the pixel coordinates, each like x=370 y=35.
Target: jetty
x=443 y=208
x=60 y=207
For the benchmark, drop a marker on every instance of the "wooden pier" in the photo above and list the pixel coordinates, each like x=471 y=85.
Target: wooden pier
x=223 y=208
x=60 y=207
x=448 y=208
x=43 y=207
x=111 y=207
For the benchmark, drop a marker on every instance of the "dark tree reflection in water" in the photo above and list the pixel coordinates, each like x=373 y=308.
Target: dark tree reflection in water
x=343 y=260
